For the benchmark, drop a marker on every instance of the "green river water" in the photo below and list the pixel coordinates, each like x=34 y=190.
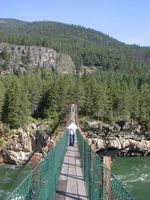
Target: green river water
x=10 y=177
x=133 y=172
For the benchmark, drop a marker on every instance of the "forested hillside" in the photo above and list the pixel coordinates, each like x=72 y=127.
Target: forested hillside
x=110 y=94
x=107 y=96
x=86 y=46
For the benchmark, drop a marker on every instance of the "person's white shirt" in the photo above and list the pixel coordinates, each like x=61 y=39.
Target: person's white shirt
x=73 y=127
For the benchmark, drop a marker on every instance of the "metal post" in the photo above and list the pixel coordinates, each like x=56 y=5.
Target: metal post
x=107 y=178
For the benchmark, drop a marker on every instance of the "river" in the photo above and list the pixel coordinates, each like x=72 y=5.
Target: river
x=134 y=172
x=10 y=177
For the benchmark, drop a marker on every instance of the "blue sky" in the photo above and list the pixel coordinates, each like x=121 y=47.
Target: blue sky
x=125 y=20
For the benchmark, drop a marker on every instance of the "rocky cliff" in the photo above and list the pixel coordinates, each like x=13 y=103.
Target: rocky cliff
x=123 y=138
x=18 y=58
x=21 y=144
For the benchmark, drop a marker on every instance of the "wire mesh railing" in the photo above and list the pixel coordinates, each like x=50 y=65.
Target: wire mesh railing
x=101 y=183
x=41 y=183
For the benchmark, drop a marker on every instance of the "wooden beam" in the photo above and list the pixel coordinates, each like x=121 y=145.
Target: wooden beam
x=36 y=159
x=107 y=161
x=107 y=178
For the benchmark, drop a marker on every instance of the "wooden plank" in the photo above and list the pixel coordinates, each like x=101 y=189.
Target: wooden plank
x=80 y=181
x=61 y=188
x=71 y=182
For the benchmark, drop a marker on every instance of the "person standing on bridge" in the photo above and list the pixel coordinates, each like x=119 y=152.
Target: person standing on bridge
x=72 y=128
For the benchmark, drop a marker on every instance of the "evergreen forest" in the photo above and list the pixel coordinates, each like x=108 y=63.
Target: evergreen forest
x=106 y=96
x=119 y=90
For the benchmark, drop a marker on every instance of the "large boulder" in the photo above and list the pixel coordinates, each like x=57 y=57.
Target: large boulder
x=115 y=143
x=26 y=142
x=22 y=143
x=17 y=158
x=93 y=124
x=32 y=126
x=100 y=143
x=143 y=146
x=125 y=143
x=124 y=125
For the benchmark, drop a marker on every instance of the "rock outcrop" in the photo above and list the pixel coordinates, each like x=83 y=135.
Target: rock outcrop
x=18 y=58
x=22 y=144
x=65 y=65
x=122 y=138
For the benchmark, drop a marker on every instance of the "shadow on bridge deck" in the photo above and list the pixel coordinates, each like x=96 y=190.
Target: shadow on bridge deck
x=71 y=183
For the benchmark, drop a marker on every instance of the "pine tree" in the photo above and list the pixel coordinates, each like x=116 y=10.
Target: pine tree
x=145 y=104
x=15 y=110
x=48 y=105
x=34 y=86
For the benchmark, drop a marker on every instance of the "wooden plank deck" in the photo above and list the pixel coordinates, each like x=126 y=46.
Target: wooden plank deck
x=71 y=183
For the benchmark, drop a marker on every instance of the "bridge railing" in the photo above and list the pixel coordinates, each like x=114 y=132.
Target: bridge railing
x=101 y=183
x=41 y=183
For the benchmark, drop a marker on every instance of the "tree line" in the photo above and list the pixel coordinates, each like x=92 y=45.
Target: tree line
x=106 y=96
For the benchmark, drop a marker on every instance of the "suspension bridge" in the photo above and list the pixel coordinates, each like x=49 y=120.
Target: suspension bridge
x=71 y=172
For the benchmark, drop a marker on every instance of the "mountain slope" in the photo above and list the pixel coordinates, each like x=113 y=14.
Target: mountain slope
x=86 y=46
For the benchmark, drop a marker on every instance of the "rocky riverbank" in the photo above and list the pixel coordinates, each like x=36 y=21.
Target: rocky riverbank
x=21 y=143
x=123 y=138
